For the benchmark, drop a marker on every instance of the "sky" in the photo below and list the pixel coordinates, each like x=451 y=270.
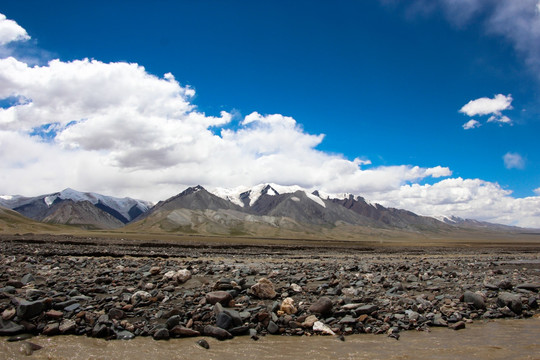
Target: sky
x=431 y=106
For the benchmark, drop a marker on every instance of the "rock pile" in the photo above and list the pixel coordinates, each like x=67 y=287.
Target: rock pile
x=332 y=293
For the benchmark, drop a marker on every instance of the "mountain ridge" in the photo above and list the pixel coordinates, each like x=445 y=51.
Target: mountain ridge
x=259 y=210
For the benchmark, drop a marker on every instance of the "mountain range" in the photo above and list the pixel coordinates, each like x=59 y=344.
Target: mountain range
x=266 y=210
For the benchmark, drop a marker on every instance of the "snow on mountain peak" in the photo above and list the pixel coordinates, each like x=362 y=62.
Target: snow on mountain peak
x=234 y=195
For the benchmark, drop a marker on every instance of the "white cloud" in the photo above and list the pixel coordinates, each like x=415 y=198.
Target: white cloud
x=537 y=190
x=513 y=161
x=11 y=31
x=466 y=198
x=471 y=124
x=486 y=106
x=140 y=135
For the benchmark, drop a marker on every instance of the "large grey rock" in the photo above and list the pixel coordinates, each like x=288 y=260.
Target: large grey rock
x=475 y=299
x=29 y=309
x=513 y=301
x=10 y=328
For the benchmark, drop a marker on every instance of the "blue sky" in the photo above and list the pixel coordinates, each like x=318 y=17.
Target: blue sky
x=383 y=81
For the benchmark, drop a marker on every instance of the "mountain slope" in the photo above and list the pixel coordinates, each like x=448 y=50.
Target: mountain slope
x=39 y=207
x=81 y=213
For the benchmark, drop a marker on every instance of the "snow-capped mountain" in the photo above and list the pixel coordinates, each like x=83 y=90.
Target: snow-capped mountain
x=41 y=207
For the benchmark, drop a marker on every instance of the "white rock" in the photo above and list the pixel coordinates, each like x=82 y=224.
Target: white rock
x=318 y=326
x=140 y=296
x=296 y=288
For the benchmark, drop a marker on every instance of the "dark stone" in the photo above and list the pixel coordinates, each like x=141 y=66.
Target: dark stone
x=223 y=297
x=20 y=337
x=116 y=314
x=51 y=329
x=458 y=325
x=272 y=328
x=513 y=301
x=505 y=285
x=216 y=332
x=366 y=309
x=100 y=331
x=203 y=343
x=322 y=306
x=173 y=321
x=533 y=303
x=28 y=278
x=182 y=331
x=476 y=300
x=8 y=328
x=29 y=309
x=161 y=334
x=72 y=307
x=239 y=330
x=223 y=320
x=530 y=287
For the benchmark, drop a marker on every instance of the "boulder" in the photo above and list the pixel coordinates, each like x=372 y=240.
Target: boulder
x=513 y=301
x=474 y=299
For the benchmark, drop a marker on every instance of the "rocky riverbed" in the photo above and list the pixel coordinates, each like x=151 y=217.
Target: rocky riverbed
x=120 y=290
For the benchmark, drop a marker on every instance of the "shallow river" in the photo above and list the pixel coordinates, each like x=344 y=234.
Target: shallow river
x=505 y=339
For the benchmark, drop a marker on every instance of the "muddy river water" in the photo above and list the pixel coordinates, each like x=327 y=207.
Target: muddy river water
x=503 y=339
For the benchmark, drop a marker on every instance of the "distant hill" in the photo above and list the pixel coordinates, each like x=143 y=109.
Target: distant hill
x=84 y=208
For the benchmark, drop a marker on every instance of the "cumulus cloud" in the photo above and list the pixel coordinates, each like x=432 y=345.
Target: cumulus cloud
x=471 y=124
x=11 y=31
x=123 y=124
x=537 y=190
x=513 y=161
x=466 y=198
x=485 y=106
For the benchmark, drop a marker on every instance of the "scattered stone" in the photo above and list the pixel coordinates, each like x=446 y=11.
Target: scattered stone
x=475 y=299
x=319 y=326
x=264 y=289
x=140 y=296
x=458 y=325
x=67 y=326
x=203 y=343
x=28 y=309
x=161 y=334
x=182 y=331
x=51 y=329
x=322 y=306
x=513 y=301
x=182 y=276
x=222 y=297
x=8 y=328
x=287 y=306
x=216 y=332
x=125 y=335
x=272 y=328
